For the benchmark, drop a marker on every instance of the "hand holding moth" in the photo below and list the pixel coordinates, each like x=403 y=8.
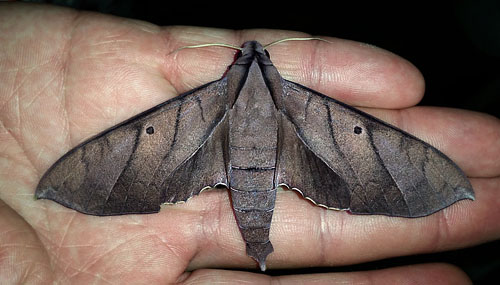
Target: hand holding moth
x=202 y=233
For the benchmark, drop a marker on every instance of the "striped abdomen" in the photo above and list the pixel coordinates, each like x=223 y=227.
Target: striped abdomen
x=253 y=137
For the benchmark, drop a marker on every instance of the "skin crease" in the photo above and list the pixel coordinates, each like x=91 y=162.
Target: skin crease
x=67 y=75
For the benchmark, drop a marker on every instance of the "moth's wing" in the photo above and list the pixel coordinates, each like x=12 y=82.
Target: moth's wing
x=340 y=157
x=166 y=154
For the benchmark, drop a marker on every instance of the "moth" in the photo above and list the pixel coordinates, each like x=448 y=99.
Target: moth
x=253 y=131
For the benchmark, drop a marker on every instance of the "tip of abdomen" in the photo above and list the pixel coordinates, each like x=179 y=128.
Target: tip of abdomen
x=259 y=251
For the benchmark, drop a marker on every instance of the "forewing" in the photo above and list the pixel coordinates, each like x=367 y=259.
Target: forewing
x=379 y=169
x=127 y=169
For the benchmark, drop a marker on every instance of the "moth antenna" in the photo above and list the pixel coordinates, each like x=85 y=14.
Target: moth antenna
x=296 y=39
x=208 y=45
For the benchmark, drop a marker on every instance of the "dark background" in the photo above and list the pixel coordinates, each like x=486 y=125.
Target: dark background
x=456 y=45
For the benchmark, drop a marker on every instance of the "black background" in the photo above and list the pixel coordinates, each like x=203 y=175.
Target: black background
x=456 y=45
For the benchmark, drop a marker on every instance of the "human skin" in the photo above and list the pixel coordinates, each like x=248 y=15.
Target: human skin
x=67 y=75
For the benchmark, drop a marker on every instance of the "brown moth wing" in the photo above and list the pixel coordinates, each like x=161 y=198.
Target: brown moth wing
x=352 y=161
x=136 y=165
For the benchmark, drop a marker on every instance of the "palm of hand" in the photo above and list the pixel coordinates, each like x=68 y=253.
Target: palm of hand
x=83 y=73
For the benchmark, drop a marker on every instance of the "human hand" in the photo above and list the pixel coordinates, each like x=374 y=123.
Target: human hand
x=67 y=75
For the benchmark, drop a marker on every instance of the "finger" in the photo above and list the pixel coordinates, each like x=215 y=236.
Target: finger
x=414 y=274
x=469 y=138
x=306 y=235
x=352 y=72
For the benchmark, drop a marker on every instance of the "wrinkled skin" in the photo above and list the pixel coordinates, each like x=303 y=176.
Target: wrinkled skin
x=67 y=75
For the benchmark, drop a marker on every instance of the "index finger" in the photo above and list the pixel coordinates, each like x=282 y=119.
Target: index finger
x=355 y=73
x=352 y=72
